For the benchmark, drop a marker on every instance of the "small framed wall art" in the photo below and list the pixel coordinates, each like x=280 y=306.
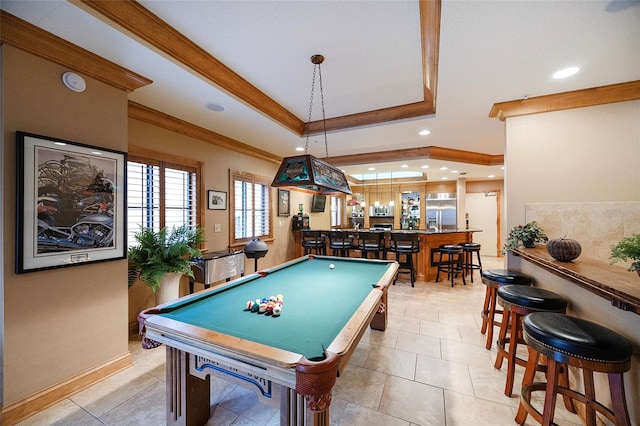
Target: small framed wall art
x=217 y=200
x=283 y=202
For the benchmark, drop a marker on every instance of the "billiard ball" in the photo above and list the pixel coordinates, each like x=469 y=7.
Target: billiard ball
x=263 y=308
x=250 y=304
x=255 y=307
x=332 y=266
x=277 y=310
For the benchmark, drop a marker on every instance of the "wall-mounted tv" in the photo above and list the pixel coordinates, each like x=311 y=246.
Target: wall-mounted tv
x=317 y=203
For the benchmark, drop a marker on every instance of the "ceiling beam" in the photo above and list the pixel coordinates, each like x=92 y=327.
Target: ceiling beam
x=431 y=152
x=619 y=92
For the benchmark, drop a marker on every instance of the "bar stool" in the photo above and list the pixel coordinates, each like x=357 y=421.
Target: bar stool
x=407 y=245
x=453 y=264
x=340 y=242
x=495 y=278
x=313 y=241
x=469 y=266
x=580 y=343
x=371 y=242
x=519 y=301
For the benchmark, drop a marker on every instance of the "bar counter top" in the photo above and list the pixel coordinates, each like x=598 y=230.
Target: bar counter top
x=406 y=231
x=612 y=282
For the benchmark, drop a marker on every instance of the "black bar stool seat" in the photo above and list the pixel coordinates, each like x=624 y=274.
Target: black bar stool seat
x=582 y=344
x=340 y=242
x=493 y=279
x=519 y=301
x=453 y=264
x=372 y=242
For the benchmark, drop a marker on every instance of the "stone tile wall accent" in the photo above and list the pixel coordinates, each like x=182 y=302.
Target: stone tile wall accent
x=596 y=226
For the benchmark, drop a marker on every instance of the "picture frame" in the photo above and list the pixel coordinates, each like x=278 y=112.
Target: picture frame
x=284 y=202
x=217 y=200
x=71 y=203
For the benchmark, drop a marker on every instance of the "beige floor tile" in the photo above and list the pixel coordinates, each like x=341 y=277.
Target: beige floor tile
x=442 y=331
x=465 y=410
x=385 y=338
x=456 y=318
x=472 y=336
x=361 y=354
x=355 y=415
x=65 y=412
x=403 y=323
x=245 y=403
x=444 y=374
x=466 y=353
x=418 y=344
x=146 y=408
x=392 y=361
x=412 y=401
x=360 y=386
x=488 y=384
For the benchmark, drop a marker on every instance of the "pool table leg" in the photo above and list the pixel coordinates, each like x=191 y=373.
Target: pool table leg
x=379 y=320
x=188 y=397
x=295 y=411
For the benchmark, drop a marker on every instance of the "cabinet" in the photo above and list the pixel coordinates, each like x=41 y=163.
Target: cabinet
x=410 y=216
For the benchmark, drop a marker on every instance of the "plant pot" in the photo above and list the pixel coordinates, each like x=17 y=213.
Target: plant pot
x=169 y=289
x=529 y=243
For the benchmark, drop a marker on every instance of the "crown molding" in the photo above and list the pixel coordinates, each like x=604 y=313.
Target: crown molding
x=601 y=95
x=27 y=37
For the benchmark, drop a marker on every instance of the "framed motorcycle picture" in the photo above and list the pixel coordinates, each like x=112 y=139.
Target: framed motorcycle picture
x=71 y=203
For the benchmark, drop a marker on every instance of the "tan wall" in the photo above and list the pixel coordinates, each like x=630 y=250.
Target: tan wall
x=62 y=322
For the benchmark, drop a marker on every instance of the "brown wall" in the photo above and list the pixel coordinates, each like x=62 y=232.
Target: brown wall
x=63 y=322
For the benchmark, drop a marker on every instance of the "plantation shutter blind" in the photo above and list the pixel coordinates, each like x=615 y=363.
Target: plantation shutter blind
x=251 y=207
x=143 y=198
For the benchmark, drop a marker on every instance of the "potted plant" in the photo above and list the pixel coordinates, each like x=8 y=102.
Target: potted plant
x=528 y=235
x=627 y=248
x=161 y=258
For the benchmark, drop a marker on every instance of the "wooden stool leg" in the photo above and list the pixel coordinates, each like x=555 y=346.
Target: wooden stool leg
x=551 y=392
x=511 y=354
x=618 y=401
x=502 y=339
x=485 y=309
x=590 y=395
x=564 y=382
x=490 y=321
x=529 y=375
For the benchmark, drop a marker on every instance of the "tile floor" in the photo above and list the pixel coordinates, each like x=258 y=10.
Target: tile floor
x=429 y=367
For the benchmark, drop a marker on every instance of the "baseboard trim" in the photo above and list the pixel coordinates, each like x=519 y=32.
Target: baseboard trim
x=33 y=404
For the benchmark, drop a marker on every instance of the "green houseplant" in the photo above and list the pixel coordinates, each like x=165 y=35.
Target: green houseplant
x=168 y=252
x=528 y=234
x=627 y=248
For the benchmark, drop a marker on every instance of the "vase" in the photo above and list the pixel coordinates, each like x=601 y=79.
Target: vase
x=169 y=289
x=529 y=243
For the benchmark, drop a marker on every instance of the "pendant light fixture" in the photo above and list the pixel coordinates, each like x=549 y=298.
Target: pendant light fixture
x=306 y=171
x=391 y=202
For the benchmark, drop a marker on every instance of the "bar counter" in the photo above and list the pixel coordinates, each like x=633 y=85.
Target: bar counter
x=430 y=241
x=612 y=282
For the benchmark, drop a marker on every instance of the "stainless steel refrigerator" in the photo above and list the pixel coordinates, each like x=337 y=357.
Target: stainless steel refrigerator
x=441 y=212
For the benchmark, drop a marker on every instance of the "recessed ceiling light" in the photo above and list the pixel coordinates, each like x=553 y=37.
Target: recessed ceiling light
x=567 y=72
x=96 y=153
x=371 y=168
x=299 y=149
x=424 y=132
x=454 y=171
x=59 y=143
x=215 y=107
x=404 y=166
x=444 y=168
x=444 y=178
x=491 y=176
x=426 y=166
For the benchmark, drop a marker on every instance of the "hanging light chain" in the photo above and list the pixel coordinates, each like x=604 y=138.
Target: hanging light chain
x=317 y=60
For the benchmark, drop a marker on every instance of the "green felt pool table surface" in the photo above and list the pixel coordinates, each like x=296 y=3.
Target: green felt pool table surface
x=318 y=303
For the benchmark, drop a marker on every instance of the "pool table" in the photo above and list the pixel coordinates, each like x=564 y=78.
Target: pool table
x=292 y=360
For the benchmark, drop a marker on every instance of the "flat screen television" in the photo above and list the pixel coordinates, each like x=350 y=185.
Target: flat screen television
x=317 y=203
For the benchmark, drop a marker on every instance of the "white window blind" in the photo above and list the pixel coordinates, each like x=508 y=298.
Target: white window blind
x=251 y=208
x=160 y=194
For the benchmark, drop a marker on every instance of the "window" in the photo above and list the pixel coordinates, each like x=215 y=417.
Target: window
x=336 y=211
x=251 y=207
x=161 y=193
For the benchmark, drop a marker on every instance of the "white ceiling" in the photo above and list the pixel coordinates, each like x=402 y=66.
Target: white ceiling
x=490 y=51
